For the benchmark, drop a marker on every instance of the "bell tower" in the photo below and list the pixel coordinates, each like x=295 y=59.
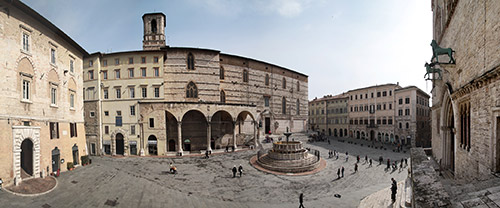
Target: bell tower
x=154 y=31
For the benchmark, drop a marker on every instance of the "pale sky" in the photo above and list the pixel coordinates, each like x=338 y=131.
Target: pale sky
x=339 y=44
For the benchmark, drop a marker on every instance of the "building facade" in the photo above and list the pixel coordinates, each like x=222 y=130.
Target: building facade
x=42 y=116
x=168 y=100
x=329 y=115
x=466 y=96
x=412 y=117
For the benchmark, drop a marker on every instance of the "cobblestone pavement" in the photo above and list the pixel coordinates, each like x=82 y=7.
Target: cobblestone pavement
x=143 y=182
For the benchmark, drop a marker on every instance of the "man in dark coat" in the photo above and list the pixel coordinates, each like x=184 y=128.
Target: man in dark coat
x=338 y=173
x=394 y=188
x=234 y=171
x=301 y=200
x=240 y=170
x=342 y=171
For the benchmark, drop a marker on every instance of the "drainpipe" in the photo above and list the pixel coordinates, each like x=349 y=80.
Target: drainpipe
x=99 y=102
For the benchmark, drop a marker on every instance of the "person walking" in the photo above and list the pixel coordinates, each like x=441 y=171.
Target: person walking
x=366 y=158
x=406 y=162
x=380 y=159
x=1 y=182
x=301 y=200
x=355 y=167
x=338 y=173
x=206 y=155
x=388 y=163
x=234 y=171
x=240 y=170
x=370 y=162
x=394 y=188
x=357 y=159
x=342 y=170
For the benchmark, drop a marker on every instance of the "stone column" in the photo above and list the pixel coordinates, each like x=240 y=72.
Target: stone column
x=234 y=134
x=209 y=136
x=179 y=138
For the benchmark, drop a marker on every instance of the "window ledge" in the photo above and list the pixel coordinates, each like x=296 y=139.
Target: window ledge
x=26 y=101
x=25 y=52
x=54 y=106
x=72 y=109
x=53 y=65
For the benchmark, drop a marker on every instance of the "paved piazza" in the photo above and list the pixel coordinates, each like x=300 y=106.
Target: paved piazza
x=143 y=182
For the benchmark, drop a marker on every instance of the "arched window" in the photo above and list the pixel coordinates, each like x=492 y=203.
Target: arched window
x=222 y=96
x=245 y=75
x=221 y=73
x=283 y=106
x=267 y=80
x=191 y=90
x=407 y=125
x=190 y=61
x=284 y=83
x=298 y=86
x=153 y=26
x=298 y=107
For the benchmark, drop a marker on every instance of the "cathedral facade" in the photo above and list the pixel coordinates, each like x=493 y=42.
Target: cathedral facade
x=171 y=100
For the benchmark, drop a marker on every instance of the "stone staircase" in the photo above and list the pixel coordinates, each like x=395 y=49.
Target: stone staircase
x=382 y=198
x=489 y=197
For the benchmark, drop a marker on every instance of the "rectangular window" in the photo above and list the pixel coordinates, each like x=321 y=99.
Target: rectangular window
x=156 y=71
x=132 y=110
x=389 y=121
x=390 y=106
x=151 y=122
x=144 y=92
x=106 y=129
x=400 y=112
x=132 y=92
x=266 y=101
x=54 y=130
x=384 y=93
x=155 y=59
x=26 y=90
x=378 y=94
x=106 y=113
x=400 y=101
x=26 y=42
x=104 y=74
x=53 y=95
x=118 y=121
x=117 y=61
x=104 y=62
x=130 y=73
x=132 y=129
x=71 y=65
x=118 y=93
x=407 y=100
x=92 y=114
x=407 y=112
x=91 y=63
x=105 y=93
x=72 y=100
x=117 y=74
x=157 y=92
x=130 y=60
x=53 y=56
x=390 y=92
x=72 y=130
x=143 y=60
x=91 y=74
x=372 y=94
x=143 y=72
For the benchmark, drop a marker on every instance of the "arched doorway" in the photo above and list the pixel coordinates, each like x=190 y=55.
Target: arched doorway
x=120 y=147
x=75 y=154
x=335 y=132
x=152 y=145
x=245 y=122
x=172 y=131
x=187 y=145
x=26 y=158
x=357 y=135
x=341 y=133
x=329 y=132
x=363 y=135
x=397 y=139
x=221 y=129
x=56 y=155
x=194 y=130
x=345 y=132
x=372 y=135
x=171 y=145
x=449 y=136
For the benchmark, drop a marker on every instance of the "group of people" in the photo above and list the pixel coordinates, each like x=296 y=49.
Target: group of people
x=239 y=170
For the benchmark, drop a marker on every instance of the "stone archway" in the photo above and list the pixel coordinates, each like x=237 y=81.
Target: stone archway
x=221 y=129
x=75 y=154
x=448 y=161
x=194 y=131
x=119 y=143
x=152 y=145
x=22 y=133
x=26 y=158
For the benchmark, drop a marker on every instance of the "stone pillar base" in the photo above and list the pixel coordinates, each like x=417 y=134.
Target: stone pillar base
x=141 y=153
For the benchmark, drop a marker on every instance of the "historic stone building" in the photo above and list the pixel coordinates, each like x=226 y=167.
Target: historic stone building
x=41 y=118
x=391 y=114
x=168 y=100
x=329 y=115
x=466 y=96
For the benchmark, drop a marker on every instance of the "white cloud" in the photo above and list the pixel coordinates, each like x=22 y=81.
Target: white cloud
x=288 y=8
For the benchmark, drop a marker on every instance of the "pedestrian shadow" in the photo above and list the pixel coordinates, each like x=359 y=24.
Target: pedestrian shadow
x=336 y=179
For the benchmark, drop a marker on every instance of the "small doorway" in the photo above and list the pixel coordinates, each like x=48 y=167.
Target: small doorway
x=133 y=147
x=187 y=145
x=329 y=132
x=120 y=148
x=171 y=145
x=75 y=154
x=372 y=135
x=55 y=160
x=267 y=125
x=92 y=148
x=152 y=145
x=26 y=158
